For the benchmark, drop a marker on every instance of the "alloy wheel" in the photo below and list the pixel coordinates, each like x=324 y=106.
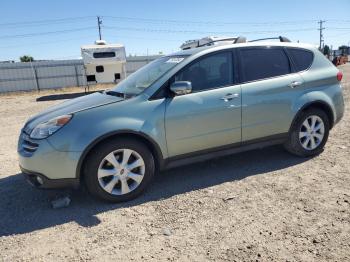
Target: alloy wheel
x=312 y=132
x=121 y=171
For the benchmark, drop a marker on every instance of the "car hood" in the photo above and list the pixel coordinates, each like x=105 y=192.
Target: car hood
x=71 y=106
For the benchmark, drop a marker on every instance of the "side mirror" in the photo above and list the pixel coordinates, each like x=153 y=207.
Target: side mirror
x=181 y=87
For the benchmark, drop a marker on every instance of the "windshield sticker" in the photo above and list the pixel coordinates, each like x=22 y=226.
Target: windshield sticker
x=175 y=60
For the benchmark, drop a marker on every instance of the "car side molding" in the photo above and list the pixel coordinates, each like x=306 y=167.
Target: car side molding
x=224 y=150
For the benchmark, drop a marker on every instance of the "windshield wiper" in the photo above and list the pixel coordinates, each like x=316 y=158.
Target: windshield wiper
x=114 y=93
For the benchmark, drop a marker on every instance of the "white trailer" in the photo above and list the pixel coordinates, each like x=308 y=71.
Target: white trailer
x=104 y=63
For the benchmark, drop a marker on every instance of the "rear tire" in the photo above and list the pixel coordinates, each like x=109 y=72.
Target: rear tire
x=309 y=133
x=119 y=170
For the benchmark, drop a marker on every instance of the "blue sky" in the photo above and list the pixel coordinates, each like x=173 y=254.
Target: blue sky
x=56 y=29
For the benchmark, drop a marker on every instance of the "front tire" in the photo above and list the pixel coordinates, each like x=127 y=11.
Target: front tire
x=119 y=170
x=309 y=133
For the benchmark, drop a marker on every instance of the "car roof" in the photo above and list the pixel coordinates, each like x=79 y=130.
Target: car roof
x=192 y=51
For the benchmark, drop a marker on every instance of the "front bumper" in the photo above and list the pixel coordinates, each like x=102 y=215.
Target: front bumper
x=41 y=181
x=38 y=158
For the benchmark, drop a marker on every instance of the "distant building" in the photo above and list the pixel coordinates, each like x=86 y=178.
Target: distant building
x=344 y=50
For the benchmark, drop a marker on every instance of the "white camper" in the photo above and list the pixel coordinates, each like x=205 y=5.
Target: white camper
x=104 y=63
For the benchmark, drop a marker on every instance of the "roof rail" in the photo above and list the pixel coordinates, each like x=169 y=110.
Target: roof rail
x=236 y=40
x=210 y=40
x=281 y=38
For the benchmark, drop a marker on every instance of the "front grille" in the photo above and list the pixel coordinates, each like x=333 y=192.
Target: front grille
x=26 y=145
x=29 y=146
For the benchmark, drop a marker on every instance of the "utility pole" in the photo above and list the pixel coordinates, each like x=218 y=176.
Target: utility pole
x=321 y=32
x=99 y=23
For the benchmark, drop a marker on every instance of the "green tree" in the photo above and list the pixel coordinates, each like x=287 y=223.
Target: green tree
x=326 y=50
x=26 y=58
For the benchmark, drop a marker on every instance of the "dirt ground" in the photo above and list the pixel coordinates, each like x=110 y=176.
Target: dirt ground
x=263 y=205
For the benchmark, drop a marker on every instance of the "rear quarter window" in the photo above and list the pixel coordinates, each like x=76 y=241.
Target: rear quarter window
x=302 y=58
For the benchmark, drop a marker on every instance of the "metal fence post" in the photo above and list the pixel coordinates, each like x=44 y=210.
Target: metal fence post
x=35 y=76
x=76 y=75
x=87 y=87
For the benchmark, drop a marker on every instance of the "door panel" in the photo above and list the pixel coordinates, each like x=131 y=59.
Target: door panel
x=203 y=120
x=266 y=106
x=268 y=90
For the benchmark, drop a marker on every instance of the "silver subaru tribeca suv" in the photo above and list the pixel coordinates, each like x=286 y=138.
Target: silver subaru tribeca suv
x=202 y=102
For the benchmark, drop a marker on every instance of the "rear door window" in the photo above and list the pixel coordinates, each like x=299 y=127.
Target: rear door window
x=302 y=58
x=261 y=63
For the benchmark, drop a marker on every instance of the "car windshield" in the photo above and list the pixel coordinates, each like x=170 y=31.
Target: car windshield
x=147 y=75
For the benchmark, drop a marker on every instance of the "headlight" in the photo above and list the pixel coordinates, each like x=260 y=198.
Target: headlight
x=46 y=129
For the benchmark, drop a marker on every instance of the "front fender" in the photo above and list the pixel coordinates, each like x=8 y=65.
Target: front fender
x=146 y=117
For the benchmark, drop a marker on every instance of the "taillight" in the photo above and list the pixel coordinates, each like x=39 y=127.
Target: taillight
x=339 y=76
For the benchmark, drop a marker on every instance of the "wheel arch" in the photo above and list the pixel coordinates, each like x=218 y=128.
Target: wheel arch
x=147 y=140
x=316 y=104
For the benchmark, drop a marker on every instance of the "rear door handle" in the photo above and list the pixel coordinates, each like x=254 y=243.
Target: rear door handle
x=295 y=84
x=229 y=97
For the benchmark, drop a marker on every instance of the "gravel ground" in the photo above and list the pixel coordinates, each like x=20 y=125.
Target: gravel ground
x=263 y=205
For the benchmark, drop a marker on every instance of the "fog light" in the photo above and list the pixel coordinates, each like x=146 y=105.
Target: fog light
x=40 y=180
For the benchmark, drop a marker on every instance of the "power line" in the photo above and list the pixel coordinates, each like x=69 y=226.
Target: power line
x=147 y=30
x=203 y=32
x=84 y=37
x=338 y=28
x=46 y=33
x=338 y=21
x=45 y=22
x=163 y=31
x=171 y=30
x=147 y=38
x=46 y=42
x=161 y=21
x=341 y=34
x=152 y=20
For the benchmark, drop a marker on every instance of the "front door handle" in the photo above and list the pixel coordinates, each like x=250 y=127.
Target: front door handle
x=229 y=97
x=295 y=84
